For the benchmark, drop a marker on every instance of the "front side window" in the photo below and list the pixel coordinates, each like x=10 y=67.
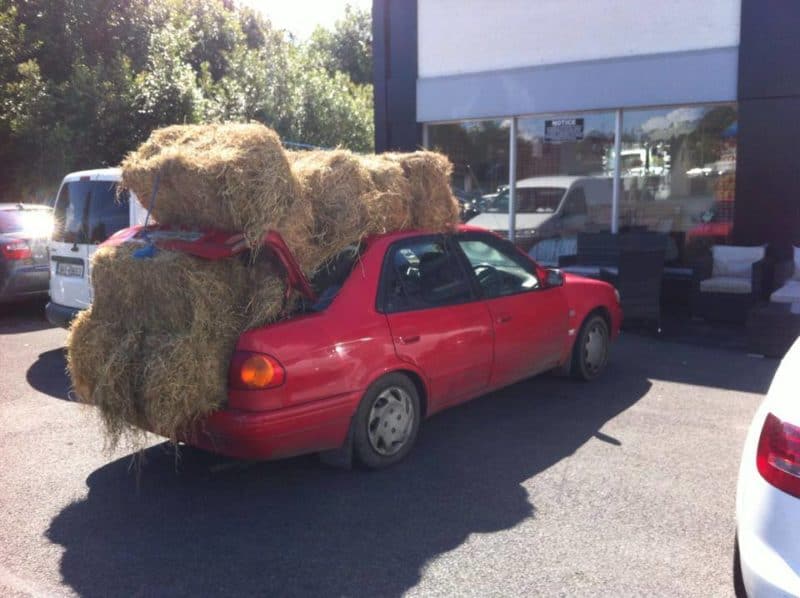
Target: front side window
x=421 y=274
x=499 y=270
x=575 y=204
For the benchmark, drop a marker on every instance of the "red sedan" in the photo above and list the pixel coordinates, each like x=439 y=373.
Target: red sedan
x=399 y=328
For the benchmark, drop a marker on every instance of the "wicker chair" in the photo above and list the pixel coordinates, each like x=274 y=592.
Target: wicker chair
x=638 y=276
x=729 y=282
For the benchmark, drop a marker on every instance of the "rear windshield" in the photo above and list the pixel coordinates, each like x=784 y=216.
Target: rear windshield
x=33 y=223
x=89 y=211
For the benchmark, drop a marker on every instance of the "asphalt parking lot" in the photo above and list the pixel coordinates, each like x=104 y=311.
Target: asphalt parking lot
x=620 y=487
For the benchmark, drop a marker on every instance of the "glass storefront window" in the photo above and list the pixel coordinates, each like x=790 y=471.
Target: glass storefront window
x=563 y=184
x=677 y=176
x=678 y=172
x=479 y=153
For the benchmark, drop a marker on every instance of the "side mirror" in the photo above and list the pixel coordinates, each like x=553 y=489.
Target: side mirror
x=555 y=277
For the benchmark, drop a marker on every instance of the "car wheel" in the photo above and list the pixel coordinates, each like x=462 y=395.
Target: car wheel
x=590 y=353
x=387 y=422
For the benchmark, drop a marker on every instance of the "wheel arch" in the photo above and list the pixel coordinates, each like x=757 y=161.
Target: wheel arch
x=416 y=379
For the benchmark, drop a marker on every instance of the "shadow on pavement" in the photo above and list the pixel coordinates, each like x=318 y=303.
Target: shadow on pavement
x=295 y=527
x=23 y=316
x=48 y=374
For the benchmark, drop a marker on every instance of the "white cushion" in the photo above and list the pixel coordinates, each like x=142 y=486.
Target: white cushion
x=726 y=284
x=796 y=274
x=788 y=293
x=733 y=261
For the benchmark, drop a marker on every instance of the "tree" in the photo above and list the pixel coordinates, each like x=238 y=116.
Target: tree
x=348 y=47
x=82 y=82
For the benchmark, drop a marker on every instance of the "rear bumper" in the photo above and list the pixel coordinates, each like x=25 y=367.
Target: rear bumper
x=60 y=315
x=318 y=426
x=24 y=281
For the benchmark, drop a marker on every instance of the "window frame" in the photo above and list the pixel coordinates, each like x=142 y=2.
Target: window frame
x=388 y=259
x=498 y=244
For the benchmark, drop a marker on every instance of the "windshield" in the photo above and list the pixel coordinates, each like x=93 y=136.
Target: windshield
x=530 y=200
x=32 y=223
x=89 y=212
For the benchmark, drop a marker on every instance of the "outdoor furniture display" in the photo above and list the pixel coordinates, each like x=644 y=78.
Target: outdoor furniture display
x=550 y=252
x=729 y=282
x=772 y=328
x=638 y=277
x=787 y=280
x=595 y=252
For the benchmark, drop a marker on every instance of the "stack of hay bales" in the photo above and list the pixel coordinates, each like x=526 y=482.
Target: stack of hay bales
x=153 y=350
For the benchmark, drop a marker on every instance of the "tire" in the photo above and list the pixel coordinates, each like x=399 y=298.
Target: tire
x=377 y=443
x=589 y=358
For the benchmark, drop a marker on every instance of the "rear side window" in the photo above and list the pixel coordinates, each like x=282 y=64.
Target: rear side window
x=89 y=211
x=34 y=223
x=423 y=273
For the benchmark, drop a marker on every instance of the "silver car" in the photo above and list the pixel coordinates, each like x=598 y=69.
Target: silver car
x=24 y=234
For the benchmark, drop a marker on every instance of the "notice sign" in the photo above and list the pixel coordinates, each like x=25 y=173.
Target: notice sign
x=563 y=129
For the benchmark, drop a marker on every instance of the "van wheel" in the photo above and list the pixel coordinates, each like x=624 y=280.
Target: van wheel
x=590 y=353
x=386 y=422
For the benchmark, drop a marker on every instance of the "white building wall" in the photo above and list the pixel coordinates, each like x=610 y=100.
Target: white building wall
x=471 y=36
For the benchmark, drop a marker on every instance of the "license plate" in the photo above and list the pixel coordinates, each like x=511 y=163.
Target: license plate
x=65 y=269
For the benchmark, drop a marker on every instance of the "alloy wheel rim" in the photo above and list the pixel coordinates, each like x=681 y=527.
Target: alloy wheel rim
x=390 y=422
x=595 y=348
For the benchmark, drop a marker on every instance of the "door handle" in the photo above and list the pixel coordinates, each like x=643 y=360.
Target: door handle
x=504 y=318
x=407 y=340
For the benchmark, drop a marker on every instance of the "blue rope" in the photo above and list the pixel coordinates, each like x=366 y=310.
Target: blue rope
x=150 y=249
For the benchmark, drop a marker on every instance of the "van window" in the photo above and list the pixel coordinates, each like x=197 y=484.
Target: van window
x=530 y=200
x=575 y=203
x=89 y=212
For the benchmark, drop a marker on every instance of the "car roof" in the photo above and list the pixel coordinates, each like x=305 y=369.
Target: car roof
x=402 y=234
x=23 y=206
x=100 y=174
x=563 y=181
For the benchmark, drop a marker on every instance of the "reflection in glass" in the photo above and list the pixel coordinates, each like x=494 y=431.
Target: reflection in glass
x=678 y=168
x=479 y=153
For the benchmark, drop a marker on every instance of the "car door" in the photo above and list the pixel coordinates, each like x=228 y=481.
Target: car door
x=436 y=320
x=530 y=320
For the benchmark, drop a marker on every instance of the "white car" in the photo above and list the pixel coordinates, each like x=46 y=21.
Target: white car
x=88 y=210
x=768 y=493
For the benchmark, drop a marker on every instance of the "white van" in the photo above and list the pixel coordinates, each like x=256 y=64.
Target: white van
x=87 y=212
x=550 y=206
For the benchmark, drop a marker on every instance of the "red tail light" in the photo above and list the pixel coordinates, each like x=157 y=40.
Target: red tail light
x=778 y=456
x=16 y=250
x=254 y=371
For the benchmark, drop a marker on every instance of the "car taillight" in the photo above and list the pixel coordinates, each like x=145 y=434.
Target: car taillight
x=15 y=250
x=778 y=456
x=254 y=371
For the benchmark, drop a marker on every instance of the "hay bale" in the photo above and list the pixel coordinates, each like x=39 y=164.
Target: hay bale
x=433 y=206
x=335 y=184
x=153 y=351
x=390 y=208
x=225 y=176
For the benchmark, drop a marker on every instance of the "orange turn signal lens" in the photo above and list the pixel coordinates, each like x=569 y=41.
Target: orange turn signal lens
x=255 y=371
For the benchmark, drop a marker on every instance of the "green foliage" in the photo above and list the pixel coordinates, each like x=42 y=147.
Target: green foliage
x=348 y=47
x=82 y=82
